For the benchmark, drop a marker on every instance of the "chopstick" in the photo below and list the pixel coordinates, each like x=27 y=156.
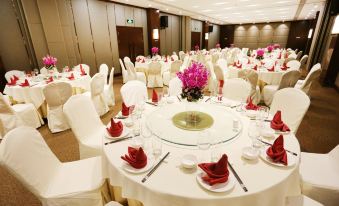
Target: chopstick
x=152 y=103
x=238 y=178
x=293 y=153
x=119 y=140
x=154 y=168
x=208 y=99
x=179 y=99
x=120 y=118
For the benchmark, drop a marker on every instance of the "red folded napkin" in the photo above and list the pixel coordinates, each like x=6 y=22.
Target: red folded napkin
x=136 y=157
x=15 y=78
x=277 y=152
x=12 y=82
x=250 y=105
x=239 y=66
x=172 y=59
x=25 y=84
x=154 y=96
x=143 y=60
x=49 y=80
x=71 y=77
x=255 y=67
x=115 y=130
x=83 y=73
x=248 y=62
x=124 y=109
x=279 y=57
x=278 y=124
x=234 y=64
x=216 y=172
x=271 y=69
x=284 y=67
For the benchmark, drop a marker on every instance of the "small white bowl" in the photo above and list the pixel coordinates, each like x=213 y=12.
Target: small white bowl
x=189 y=161
x=268 y=133
x=170 y=100
x=128 y=122
x=251 y=113
x=249 y=153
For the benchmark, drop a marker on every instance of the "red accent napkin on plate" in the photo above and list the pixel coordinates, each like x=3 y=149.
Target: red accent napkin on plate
x=250 y=105
x=216 y=172
x=71 y=77
x=278 y=124
x=284 y=67
x=154 y=96
x=49 y=80
x=271 y=69
x=15 y=78
x=277 y=152
x=279 y=57
x=255 y=67
x=25 y=84
x=239 y=66
x=83 y=73
x=136 y=157
x=234 y=64
x=115 y=130
x=12 y=82
x=124 y=109
x=172 y=59
x=248 y=62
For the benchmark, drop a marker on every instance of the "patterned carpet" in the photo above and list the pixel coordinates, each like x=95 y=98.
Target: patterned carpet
x=317 y=133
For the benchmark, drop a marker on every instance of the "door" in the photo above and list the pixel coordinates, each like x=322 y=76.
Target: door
x=130 y=42
x=195 y=39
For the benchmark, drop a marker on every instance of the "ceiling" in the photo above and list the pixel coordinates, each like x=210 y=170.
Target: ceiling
x=236 y=11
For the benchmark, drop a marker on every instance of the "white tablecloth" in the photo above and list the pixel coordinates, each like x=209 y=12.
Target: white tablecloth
x=172 y=185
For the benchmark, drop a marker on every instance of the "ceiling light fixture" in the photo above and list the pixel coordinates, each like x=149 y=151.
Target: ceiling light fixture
x=158 y=11
x=310 y=33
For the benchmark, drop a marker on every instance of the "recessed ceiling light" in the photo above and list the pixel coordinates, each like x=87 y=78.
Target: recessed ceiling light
x=251 y=5
x=228 y=8
x=149 y=5
x=220 y=3
x=236 y=13
x=166 y=9
x=195 y=6
x=281 y=2
x=157 y=10
x=207 y=10
x=315 y=6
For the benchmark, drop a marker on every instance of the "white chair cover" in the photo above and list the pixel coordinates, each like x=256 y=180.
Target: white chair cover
x=175 y=57
x=294 y=64
x=212 y=78
x=219 y=73
x=323 y=188
x=293 y=105
x=56 y=94
x=301 y=200
x=305 y=85
x=85 y=124
x=299 y=55
x=127 y=59
x=172 y=73
x=303 y=62
x=182 y=55
x=27 y=156
x=11 y=73
x=133 y=75
x=112 y=203
x=215 y=58
x=103 y=69
x=124 y=72
x=222 y=64
x=97 y=94
x=289 y=59
x=133 y=92
x=109 y=90
x=175 y=87
x=154 y=78
x=185 y=64
x=252 y=77
x=236 y=89
x=43 y=71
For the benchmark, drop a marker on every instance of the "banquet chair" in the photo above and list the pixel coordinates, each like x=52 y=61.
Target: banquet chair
x=175 y=57
x=301 y=200
x=303 y=62
x=288 y=79
x=201 y=59
x=85 y=124
x=43 y=71
x=293 y=105
x=25 y=154
x=323 y=188
x=56 y=95
x=18 y=114
x=109 y=90
x=133 y=92
x=97 y=94
x=212 y=78
x=11 y=73
x=219 y=73
x=185 y=64
x=154 y=78
x=84 y=66
x=222 y=64
x=175 y=87
x=103 y=69
x=293 y=64
x=125 y=75
x=299 y=55
x=127 y=59
x=215 y=58
x=113 y=203
x=182 y=55
x=288 y=59
x=168 y=75
x=305 y=85
x=292 y=55
x=236 y=89
x=252 y=77
x=134 y=75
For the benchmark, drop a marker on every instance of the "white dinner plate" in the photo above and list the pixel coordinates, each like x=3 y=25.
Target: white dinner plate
x=219 y=187
x=128 y=168
x=291 y=160
x=124 y=133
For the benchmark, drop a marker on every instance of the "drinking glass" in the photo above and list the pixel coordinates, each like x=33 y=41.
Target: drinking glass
x=204 y=144
x=157 y=146
x=165 y=92
x=146 y=135
x=264 y=112
x=160 y=98
x=254 y=134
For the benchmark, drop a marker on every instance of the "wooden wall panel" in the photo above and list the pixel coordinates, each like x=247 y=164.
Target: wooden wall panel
x=214 y=37
x=226 y=35
x=113 y=36
x=119 y=15
x=175 y=33
x=170 y=35
x=297 y=38
x=153 y=22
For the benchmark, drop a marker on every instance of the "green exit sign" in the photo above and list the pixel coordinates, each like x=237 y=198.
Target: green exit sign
x=130 y=21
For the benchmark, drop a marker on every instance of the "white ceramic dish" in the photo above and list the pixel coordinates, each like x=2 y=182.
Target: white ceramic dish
x=250 y=153
x=189 y=161
x=219 y=187
x=291 y=160
x=128 y=168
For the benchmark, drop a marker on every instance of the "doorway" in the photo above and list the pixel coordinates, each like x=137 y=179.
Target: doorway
x=195 y=40
x=130 y=42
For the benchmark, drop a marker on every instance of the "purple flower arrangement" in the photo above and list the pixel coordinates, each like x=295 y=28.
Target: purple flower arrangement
x=49 y=61
x=260 y=54
x=155 y=50
x=196 y=48
x=276 y=46
x=269 y=48
x=193 y=79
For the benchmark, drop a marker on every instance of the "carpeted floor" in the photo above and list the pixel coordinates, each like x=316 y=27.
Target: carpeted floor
x=317 y=133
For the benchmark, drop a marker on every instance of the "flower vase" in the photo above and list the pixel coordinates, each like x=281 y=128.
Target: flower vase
x=192 y=112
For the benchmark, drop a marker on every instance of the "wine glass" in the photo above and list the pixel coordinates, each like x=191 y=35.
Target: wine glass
x=254 y=134
x=204 y=144
x=146 y=134
x=157 y=146
x=165 y=92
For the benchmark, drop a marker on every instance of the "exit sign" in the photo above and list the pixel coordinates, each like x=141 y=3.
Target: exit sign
x=130 y=21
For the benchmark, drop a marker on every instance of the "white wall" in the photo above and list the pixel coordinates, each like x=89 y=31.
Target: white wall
x=214 y=37
x=170 y=36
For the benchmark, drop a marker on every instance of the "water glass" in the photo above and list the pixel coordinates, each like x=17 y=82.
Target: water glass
x=254 y=134
x=204 y=143
x=157 y=146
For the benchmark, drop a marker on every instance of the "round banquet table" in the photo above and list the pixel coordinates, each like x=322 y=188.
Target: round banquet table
x=171 y=184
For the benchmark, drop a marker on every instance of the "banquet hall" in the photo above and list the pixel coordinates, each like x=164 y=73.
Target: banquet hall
x=169 y=102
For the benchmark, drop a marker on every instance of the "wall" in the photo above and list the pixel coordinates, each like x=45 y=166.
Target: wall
x=196 y=26
x=297 y=38
x=226 y=35
x=170 y=36
x=260 y=35
x=214 y=36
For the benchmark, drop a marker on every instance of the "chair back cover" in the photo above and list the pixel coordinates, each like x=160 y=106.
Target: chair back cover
x=289 y=59
x=293 y=64
x=133 y=92
x=110 y=86
x=311 y=76
x=82 y=117
x=154 y=75
x=303 y=61
x=123 y=71
x=236 y=89
x=334 y=153
x=97 y=84
x=11 y=73
x=175 y=57
x=154 y=68
x=182 y=55
x=222 y=64
x=27 y=156
x=289 y=79
x=8 y=118
x=131 y=70
x=43 y=71
x=127 y=59
x=219 y=73
x=175 y=67
x=249 y=75
x=212 y=78
x=57 y=93
x=103 y=69
x=215 y=58
x=299 y=55
x=185 y=63
x=175 y=87
x=292 y=111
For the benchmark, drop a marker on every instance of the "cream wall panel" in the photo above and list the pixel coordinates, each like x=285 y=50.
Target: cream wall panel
x=58 y=50
x=169 y=37
x=239 y=39
x=137 y=17
x=31 y=11
x=129 y=14
x=240 y=33
x=163 y=47
x=251 y=39
x=213 y=38
x=168 y=40
x=281 y=32
x=175 y=33
x=119 y=15
x=144 y=24
x=196 y=26
x=102 y=43
x=83 y=31
x=73 y=35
